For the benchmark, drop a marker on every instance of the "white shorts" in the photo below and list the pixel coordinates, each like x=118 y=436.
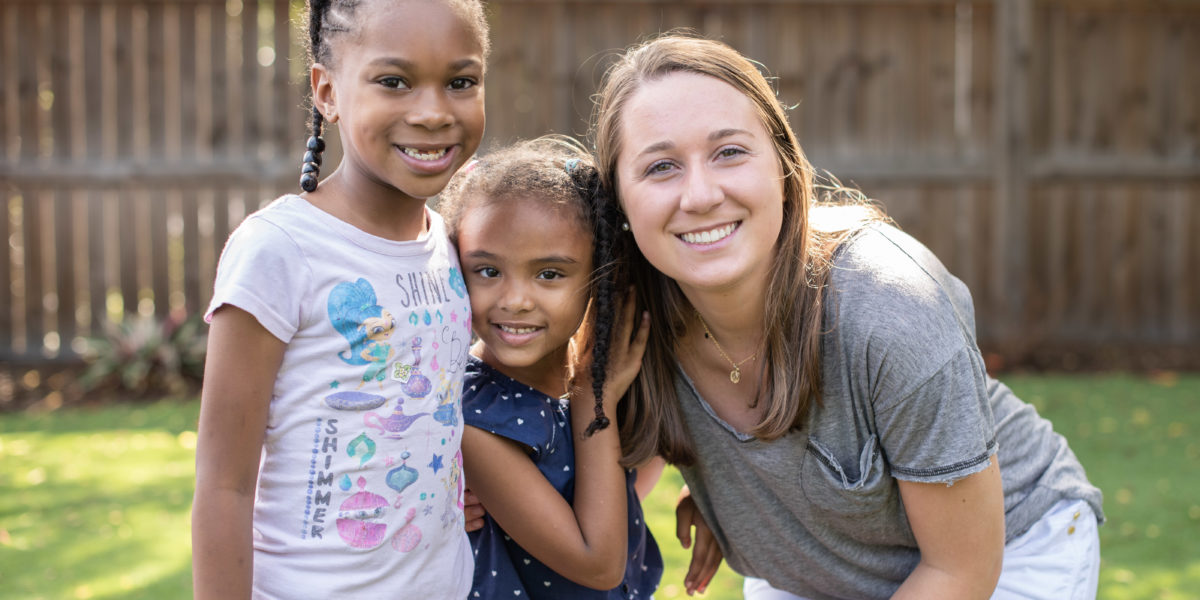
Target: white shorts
x=1057 y=559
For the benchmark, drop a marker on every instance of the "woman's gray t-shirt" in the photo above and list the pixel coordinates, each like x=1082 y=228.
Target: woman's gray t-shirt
x=906 y=396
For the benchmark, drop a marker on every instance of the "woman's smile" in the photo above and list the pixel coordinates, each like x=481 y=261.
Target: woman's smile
x=710 y=236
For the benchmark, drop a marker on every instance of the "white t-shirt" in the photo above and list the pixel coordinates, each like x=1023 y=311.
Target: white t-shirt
x=360 y=485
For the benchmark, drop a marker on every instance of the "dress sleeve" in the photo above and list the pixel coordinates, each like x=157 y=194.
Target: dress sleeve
x=521 y=415
x=262 y=271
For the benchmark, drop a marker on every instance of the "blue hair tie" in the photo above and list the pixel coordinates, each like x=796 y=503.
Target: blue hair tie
x=571 y=164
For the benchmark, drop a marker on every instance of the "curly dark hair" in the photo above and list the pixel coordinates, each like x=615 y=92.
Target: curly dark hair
x=556 y=170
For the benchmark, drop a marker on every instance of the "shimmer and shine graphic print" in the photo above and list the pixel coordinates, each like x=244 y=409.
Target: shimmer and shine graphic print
x=385 y=461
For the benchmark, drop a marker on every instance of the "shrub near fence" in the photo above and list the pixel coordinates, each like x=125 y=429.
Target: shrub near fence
x=1047 y=150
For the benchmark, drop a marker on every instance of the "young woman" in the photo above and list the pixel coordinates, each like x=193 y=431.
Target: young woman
x=812 y=370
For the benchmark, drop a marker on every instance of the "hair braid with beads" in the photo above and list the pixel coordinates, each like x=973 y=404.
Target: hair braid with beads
x=318 y=48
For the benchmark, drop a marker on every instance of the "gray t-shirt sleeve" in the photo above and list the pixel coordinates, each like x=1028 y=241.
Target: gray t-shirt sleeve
x=903 y=341
x=942 y=431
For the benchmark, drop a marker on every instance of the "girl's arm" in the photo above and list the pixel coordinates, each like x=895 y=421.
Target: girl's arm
x=960 y=531
x=586 y=543
x=239 y=376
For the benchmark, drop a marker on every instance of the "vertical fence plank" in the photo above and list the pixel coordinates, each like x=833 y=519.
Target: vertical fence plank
x=186 y=47
x=252 y=125
x=1014 y=22
x=1188 y=295
x=156 y=79
x=128 y=202
x=7 y=292
x=1174 y=267
x=285 y=101
x=189 y=206
x=201 y=84
x=160 y=274
x=218 y=138
x=30 y=206
x=123 y=77
x=57 y=47
x=8 y=94
x=156 y=115
x=31 y=229
x=139 y=83
x=122 y=111
x=27 y=84
x=8 y=87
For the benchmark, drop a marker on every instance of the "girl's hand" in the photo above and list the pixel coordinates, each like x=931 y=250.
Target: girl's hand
x=624 y=357
x=706 y=555
x=625 y=354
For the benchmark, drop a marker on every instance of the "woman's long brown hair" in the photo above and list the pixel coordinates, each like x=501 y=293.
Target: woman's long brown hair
x=789 y=377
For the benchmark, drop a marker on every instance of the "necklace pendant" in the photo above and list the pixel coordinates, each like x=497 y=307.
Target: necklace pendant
x=735 y=375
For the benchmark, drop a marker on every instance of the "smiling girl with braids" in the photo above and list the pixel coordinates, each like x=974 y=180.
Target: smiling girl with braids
x=564 y=520
x=310 y=483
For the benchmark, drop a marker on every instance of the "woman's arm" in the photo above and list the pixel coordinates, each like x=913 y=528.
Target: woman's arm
x=648 y=476
x=239 y=376
x=960 y=531
x=706 y=553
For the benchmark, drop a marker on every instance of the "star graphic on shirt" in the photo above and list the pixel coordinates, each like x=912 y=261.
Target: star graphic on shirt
x=436 y=463
x=428 y=509
x=334 y=384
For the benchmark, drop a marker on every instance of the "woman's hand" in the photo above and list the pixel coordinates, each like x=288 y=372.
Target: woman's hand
x=706 y=553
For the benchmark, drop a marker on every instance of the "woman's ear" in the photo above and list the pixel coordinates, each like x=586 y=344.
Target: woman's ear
x=324 y=96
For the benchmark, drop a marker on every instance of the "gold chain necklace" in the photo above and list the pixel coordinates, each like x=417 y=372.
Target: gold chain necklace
x=736 y=374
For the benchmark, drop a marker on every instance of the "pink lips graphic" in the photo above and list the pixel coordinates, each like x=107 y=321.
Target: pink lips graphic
x=355 y=519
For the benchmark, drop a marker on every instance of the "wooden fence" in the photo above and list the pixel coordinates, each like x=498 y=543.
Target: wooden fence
x=1047 y=150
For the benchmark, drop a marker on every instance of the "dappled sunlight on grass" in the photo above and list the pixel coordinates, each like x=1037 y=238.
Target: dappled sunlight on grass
x=101 y=510
x=94 y=502
x=1121 y=583
x=1137 y=439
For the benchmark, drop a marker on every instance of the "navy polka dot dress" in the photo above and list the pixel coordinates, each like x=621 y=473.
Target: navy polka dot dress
x=496 y=403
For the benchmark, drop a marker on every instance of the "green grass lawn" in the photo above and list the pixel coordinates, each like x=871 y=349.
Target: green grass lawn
x=94 y=502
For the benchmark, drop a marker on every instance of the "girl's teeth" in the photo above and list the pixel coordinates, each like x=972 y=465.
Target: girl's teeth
x=417 y=154
x=708 y=237
x=517 y=330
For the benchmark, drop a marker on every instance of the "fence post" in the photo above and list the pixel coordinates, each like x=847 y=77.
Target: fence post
x=1011 y=189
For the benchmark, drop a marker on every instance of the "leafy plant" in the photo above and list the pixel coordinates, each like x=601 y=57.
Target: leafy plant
x=146 y=355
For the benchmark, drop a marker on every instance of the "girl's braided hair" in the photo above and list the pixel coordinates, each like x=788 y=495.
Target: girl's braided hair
x=328 y=19
x=560 y=172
